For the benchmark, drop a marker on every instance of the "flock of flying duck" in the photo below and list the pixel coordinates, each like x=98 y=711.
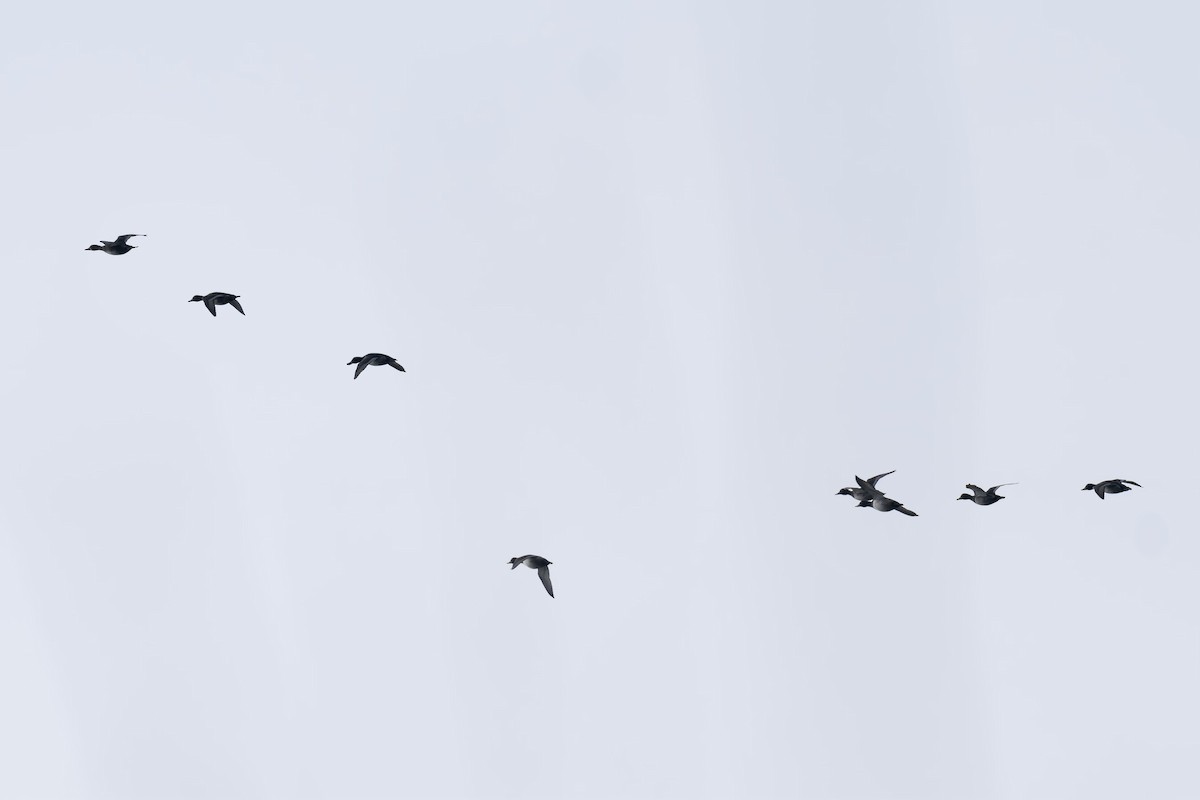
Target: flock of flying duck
x=213 y=299
x=865 y=493
x=868 y=495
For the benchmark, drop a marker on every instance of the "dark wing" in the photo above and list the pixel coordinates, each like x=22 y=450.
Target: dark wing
x=397 y=366
x=975 y=489
x=904 y=510
x=210 y=304
x=875 y=479
x=233 y=302
x=868 y=488
x=997 y=486
x=361 y=366
x=544 y=574
x=1133 y=483
x=125 y=237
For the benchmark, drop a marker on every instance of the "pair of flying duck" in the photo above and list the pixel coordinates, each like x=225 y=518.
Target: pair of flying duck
x=211 y=300
x=1114 y=486
x=867 y=495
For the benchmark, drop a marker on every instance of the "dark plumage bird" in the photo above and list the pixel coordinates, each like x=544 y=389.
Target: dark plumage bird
x=882 y=503
x=118 y=248
x=1114 y=486
x=214 y=299
x=878 y=501
x=540 y=564
x=372 y=359
x=862 y=495
x=982 y=498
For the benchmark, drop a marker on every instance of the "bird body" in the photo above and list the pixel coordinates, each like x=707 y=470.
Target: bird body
x=1114 y=486
x=372 y=359
x=540 y=564
x=118 y=248
x=214 y=299
x=882 y=503
x=982 y=498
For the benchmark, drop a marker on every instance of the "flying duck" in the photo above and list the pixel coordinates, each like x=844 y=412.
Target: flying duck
x=862 y=495
x=540 y=564
x=876 y=499
x=981 y=497
x=214 y=299
x=374 y=359
x=1115 y=486
x=118 y=248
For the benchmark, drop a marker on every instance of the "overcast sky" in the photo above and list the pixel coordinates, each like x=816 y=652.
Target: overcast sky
x=664 y=277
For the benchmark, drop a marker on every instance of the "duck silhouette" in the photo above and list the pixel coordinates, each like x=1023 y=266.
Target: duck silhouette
x=118 y=248
x=214 y=299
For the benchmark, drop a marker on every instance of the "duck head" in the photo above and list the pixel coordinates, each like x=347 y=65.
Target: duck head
x=95 y=247
x=197 y=299
x=965 y=496
x=1089 y=487
x=354 y=360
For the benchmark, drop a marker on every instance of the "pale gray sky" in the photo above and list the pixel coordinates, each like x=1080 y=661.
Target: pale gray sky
x=665 y=276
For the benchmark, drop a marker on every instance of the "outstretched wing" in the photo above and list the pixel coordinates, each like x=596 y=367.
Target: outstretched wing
x=125 y=237
x=871 y=491
x=396 y=365
x=904 y=510
x=875 y=479
x=544 y=574
x=975 y=489
x=1133 y=483
x=997 y=486
x=233 y=302
x=361 y=366
x=211 y=304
